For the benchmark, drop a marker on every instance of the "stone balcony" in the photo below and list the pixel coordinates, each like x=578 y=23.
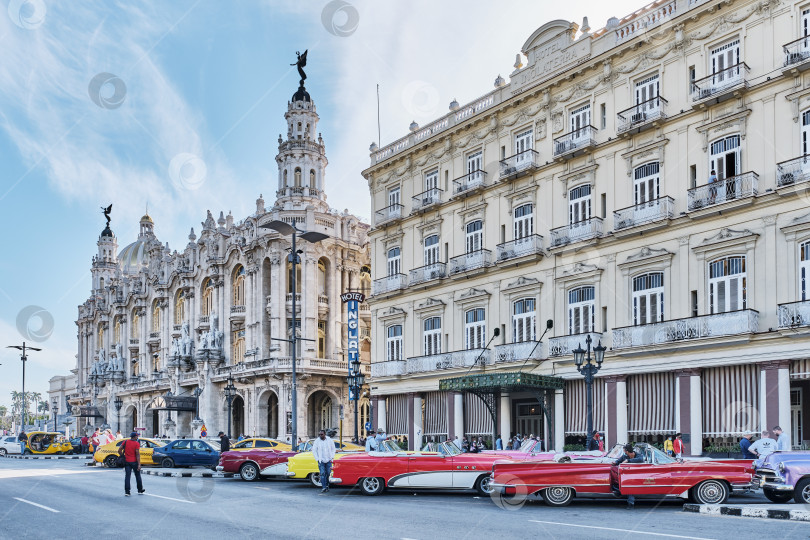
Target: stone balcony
x=587 y=229
x=650 y=214
x=720 y=86
x=389 y=284
x=732 y=323
x=289 y=299
x=450 y=360
x=323 y=300
x=154 y=337
x=389 y=214
x=283 y=364
x=426 y=200
x=724 y=194
x=565 y=345
x=574 y=143
x=238 y=312
x=474 y=260
x=134 y=342
x=520 y=164
x=797 y=55
x=528 y=246
x=518 y=352
x=471 y=182
x=641 y=116
x=429 y=272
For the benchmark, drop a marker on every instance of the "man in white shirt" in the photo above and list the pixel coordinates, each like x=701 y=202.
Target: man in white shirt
x=783 y=440
x=764 y=446
x=371 y=442
x=324 y=451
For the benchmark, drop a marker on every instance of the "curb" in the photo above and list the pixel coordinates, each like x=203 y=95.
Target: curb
x=753 y=511
x=15 y=456
x=177 y=474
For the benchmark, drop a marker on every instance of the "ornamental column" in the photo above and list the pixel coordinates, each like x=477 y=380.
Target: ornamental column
x=458 y=415
x=506 y=417
x=774 y=397
x=382 y=415
x=690 y=409
x=417 y=421
x=559 y=420
x=616 y=397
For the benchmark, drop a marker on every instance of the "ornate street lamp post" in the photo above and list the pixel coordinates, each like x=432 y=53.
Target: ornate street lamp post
x=55 y=411
x=197 y=422
x=118 y=404
x=230 y=393
x=24 y=409
x=313 y=237
x=583 y=360
x=356 y=381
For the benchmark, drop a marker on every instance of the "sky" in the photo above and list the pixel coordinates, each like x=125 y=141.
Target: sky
x=176 y=106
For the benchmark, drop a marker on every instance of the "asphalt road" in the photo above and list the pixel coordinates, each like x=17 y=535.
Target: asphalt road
x=66 y=499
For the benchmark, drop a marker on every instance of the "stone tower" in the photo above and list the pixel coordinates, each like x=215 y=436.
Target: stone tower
x=105 y=263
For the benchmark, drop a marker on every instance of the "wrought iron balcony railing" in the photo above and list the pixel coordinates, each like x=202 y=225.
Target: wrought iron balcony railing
x=389 y=213
x=520 y=247
x=720 y=82
x=518 y=352
x=793 y=171
x=642 y=114
x=469 y=181
x=733 y=188
x=428 y=272
x=576 y=232
x=394 y=282
x=646 y=212
x=583 y=137
x=565 y=345
x=456 y=359
x=470 y=261
x=388 y=368
x=797 y=51
x=744 y=321
x=794 y=314
x=426 y=199
x=525 y=161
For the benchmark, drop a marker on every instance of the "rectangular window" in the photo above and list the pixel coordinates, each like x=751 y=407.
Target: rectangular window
x=393 y=196
x=431 y=249
x=474 y=167
x=394 y=261
x=475 y=329
x=393 y=343
x=432 y=336
x=725 y=61
x=693 y=176
x=602 y=116
x=579 y=204
x=580 y=118
x=648 y=298
x=523 y=320
x=804 y=270
x=603 y=200
x=432 y=180
x=725 y=158
x=475 y=236
x=581 y=307
x=647 y=92
x=524 y=221
x=694 y=299
x=523 y=143
x=727 y=285
x=805 y=132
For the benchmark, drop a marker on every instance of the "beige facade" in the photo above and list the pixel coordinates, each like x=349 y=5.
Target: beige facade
x=582 y=192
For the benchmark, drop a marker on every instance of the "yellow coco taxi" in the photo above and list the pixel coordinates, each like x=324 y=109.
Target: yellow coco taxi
x=108 y=453
x=42 y=443
x=303 y=465
x=266 y=444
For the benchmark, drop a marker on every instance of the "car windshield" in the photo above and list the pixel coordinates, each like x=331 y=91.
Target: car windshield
x=448 y=449
x=528 y=446
x=390 y=446
x=616 y=452
x=658 y=457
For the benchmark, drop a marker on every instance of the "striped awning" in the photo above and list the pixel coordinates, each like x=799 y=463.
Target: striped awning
x=651 y=403
x=730 y=399
x=575 y=410
x=477 y=420
x=435 y=407
x=800 y=369
x=396 y=414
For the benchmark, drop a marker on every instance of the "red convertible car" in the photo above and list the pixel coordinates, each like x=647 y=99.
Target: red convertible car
x=447 y=468
x=705 y=482
x=255 y=463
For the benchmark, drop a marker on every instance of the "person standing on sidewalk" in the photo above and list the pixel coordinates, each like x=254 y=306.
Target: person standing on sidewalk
x=677 y=446
x=783 y=440
x=23 y=438
x=224 y=442
x=131 y=450
x=324 y=451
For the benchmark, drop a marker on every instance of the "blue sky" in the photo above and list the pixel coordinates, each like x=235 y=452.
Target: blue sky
x=207 y=81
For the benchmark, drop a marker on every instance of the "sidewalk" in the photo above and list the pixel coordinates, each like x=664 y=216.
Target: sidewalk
x=792 y=512
x=79 y=456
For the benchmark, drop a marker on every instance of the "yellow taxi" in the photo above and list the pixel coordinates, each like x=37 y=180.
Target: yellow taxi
x=42 y=443
x=303 y=465
x=256 y=442
x=108 y=453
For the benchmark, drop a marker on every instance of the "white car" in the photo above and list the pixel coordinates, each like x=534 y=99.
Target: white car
x=9 y=445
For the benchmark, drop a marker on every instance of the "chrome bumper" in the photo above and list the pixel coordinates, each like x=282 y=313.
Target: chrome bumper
x=333 y=480
x=220 y=468
x=776 y=486
x=290 y=474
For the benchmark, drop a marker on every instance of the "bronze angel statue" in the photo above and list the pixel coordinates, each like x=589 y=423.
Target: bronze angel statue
x=301 y=64
x=106 y=212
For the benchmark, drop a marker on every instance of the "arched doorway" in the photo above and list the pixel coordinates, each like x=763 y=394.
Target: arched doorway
x=129 y=420
x=272 y=415
x=238 y=417
x=322 y=413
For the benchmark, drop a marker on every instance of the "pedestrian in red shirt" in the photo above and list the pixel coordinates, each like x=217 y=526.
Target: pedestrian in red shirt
x=677 y=445
x=131 y=451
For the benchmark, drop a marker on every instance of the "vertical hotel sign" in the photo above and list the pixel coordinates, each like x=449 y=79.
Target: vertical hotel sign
x=353 y=301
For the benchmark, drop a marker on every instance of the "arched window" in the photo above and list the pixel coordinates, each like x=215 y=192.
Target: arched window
x=579 y=204
x=156 y=362
x=365 y=280
x=156 y=317
x=581 y=305
x=804 y=270
x=135 y=324
x=524 y=221
x=180 y=307
x=431 y=250
x=238 y=291
x=365 y=415
x=238 y=347
x=207 y=305
x=725 y=157
x=312 y=178
x=648 y=298
x=727 y=284
x=290 y=277
x=101 y=283
x=393 y=343
x=285 y=179
x=646 y=183
x=321 y=278
x=524 y=316
x=117 y=330
x=475 y=236
x=432 y=336
x=100 y=333
x=321 y=339
x=394 y=261
x=475 y=328
x=297 y=177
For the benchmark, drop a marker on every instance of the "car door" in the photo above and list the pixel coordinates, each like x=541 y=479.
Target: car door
x=203 y=454
x=181 y=453
x=653 y=477
x=429 y=470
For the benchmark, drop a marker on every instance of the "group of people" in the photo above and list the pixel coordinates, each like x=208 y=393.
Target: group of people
x=673 y=445
x=765 y=445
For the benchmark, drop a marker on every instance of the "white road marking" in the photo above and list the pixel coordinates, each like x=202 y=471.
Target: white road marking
x=259 y=487
x=28 y=473
x=49 y=509
x=169 y=498
x=619 y=530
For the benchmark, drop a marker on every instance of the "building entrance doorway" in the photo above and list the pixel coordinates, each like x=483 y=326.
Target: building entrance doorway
x=796 y=432
x=529 y=418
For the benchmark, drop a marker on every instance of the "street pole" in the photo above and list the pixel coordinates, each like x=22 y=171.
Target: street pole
x=24 y=358
x=588 y=369
x=356 y=427
x=294 y=263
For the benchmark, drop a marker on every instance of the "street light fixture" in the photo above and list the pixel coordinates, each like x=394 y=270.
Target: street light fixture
x=118 y=404
x=313 y=237
x=55 y=410
x=356 y=380
x=585 y=365
x=230 y=393
x=24 y=357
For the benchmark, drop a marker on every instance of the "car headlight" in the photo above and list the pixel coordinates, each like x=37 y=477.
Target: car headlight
x=781 y=467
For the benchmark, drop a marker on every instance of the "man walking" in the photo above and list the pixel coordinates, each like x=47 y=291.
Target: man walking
x=224 y=442
x=324 y=451
x=371 y=442
x=593 y=442
x=630 y=456
x=498 y=443
x=783 y=440
x=85 y=444
x=23 y=438
x=677 y=446
x=131 y=450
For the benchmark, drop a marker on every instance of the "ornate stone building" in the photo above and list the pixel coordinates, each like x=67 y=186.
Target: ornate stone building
x=162 y=321
x=645 y=185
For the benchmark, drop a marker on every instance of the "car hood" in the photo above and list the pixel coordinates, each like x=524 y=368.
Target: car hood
x=775 y=458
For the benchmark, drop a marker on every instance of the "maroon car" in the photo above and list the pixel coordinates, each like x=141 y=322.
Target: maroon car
x=253 y=464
